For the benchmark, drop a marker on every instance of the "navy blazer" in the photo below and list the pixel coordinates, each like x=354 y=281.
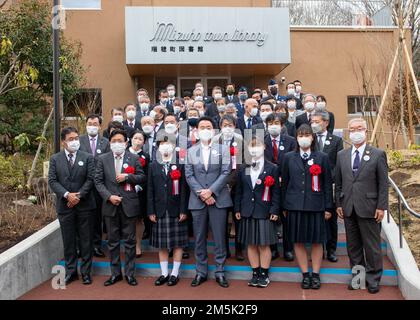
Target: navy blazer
x=159 y=191
x=249 y=201
x=331 y=148
x=296 y=184
x=241 y=125
x=302 y=119
x=288 y=143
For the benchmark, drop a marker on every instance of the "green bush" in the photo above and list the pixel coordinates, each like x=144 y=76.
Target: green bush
x=396 y=157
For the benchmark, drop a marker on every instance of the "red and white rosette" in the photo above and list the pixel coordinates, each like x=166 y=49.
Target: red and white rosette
x=175 y=176
x=129 y=170
x=233 y=157
x=268 y=182
x=315 y=171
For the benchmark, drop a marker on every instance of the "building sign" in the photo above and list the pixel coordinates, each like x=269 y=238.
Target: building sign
x=207 y=35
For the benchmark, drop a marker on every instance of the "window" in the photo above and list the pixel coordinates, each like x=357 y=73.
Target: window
x=81 y=4
x=362 y=104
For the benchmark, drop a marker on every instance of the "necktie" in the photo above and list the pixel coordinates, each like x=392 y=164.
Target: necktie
x=117 y=165
x=309 y=117
x=71 y=161
x=255 y=165
x=249 y=123
x=305 y=156
x=93 y=145
x=320 y=143
x=131 y=124
x=356 y=163
x=275 y=150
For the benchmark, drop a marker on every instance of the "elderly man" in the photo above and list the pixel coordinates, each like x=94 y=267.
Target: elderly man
x=143 y=109
x=309 y=103
x=250 y=118
x=361 y=180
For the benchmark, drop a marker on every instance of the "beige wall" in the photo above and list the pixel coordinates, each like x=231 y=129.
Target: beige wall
x=327 y=61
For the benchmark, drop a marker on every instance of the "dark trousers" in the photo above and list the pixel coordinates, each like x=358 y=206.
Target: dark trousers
x=96 y=222
x=238 y=245
x=120 y=227
x=332 y=233
x=287 y=245
x=364 y=246
x=73 y=224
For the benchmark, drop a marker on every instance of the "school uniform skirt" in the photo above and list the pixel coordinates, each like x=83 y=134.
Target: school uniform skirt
x=306 y=227
x=169 y=233
x=259 y=232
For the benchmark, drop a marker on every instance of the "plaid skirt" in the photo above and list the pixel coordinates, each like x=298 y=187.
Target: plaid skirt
x=169 y=233
x=260 y=232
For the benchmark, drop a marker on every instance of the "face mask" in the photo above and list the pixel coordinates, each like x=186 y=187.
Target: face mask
x=192 y=122
x=265 y=114
x=217 y=95
x=163 y=100
x=137 y=143
x=92 y=130
x=228 y=131
x=243 y=97
x=200 y=88
x=144 y=107
x=291 y=105
x=201 y=113
x=73 y=146
x=118 y=118
x=118 y=147
x=177 y=109
x=256 y=152
x=230 y=92
x=171 y=93
x=170 y=128
x=153 y=114
x=274 y=130
x=321 y=105
x=166 y=149
x=357 y=137
x=131 y=114
x=298 y=89
x=305 y=142
x=316 y=127
x=198 y=98
x=309 y=106
x=290 y=92
x=221 y=108
x=205 y=134
x=264 y=95
x=147 y=129
x=273 y=91
x=254 y=112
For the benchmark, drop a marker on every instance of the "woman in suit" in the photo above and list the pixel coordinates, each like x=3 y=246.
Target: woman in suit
x=257 y=206
x=307 y=202
x=142 y=229
x=167 y=208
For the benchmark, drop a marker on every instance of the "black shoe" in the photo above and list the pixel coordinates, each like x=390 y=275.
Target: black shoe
x=373 y=289
x=161 y=280
x=185 y=255
x=97 y=252
x=315 y=283
x=139 y=255
x=171 y=253
x=228 y=255
x=289 y=256
x=221 y=280
x=239 y=256
x=78 y=253
x=198 y=280
x=131 y=280
x=70 y=278
x=113 y=280
x=331 y=256
x=173 y=281
x=87 y=279
x=254 y=280
x=306 y=282
x=263 y=281
x=274 y=255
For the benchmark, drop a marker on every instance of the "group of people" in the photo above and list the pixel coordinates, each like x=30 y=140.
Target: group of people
x=185 y=165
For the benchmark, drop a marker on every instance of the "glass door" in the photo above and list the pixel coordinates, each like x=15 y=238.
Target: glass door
x=186 y=85
x=211 y=82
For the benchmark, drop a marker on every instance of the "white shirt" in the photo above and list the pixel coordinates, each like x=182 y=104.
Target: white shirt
x=255 y=172
x=67 y=155
x=205 y=150
x=121 y=162
x=361 y=150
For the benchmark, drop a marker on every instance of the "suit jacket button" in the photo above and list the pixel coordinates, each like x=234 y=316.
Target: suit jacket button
x=165 y=185
x=303 y=191
x=252 y=199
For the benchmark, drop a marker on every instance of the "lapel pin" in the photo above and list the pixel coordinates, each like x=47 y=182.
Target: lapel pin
x=173 y=167
x=258 y=181
x=81 y=163
x=98 y=151
x=311 y=162
x=327 y=142
x=367 y=151
x=281 y=148
x=214 y=152
x=366 y=158
x=177 y=149
x=125 y=165
x=234 y=144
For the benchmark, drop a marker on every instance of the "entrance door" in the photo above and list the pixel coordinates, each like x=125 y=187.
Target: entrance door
x=212 y=82
x=186 y=85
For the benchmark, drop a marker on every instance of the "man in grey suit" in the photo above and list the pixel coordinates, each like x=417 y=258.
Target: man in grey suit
x=117 y=174
x=93 y=143
x=70 y=177
x=361 y=178
x=207 y=171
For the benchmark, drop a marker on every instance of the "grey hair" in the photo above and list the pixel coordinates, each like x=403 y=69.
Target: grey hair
x=358 y=120
x=323 y=114
x=231 y=106
x=309 y=95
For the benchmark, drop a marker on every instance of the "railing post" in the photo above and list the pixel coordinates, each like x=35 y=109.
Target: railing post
x=400 y=221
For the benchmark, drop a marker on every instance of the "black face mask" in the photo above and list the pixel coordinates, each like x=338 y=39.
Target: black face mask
x=192 y=122
x=273 y=91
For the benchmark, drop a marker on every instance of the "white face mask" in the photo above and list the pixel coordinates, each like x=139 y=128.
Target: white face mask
x=274 y=130
x=221 y=108
x=92 y=131
x=321 y=105
x=118 y=118
x=198 y=98
x=205 y=134
x=298 y=89
x=309 y=106
x=118 y=147
x=170 y=128
x=316 y=127
x=147 y=129
x=131 y=114
x=264 y=95
x=256 y=152
x=73 y=146
x=166 y=149
x=177 y=109
x=304 y=142
x=201 y=113
x=217 y=95
x=254 y=112
x=171 y=93
x=136 y=143
x=358 y=137
x=228 y=131
x=163 y=100
x=144 y=107
x=153 y=114
x=291 y=105
x=265 y=114
x=290 y=92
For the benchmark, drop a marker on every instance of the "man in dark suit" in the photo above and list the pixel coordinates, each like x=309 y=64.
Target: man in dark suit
x=144 y=108
x=331 y=145
x=361 y=179
x=309 y=102
x=131 y=120
x=70 y=177
x=276 y=146
x=230 y=94
x=117 y=174
x=93 y=143
x=321 y=105
x=240 y=105
x=250 y=117
x=171 y=96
